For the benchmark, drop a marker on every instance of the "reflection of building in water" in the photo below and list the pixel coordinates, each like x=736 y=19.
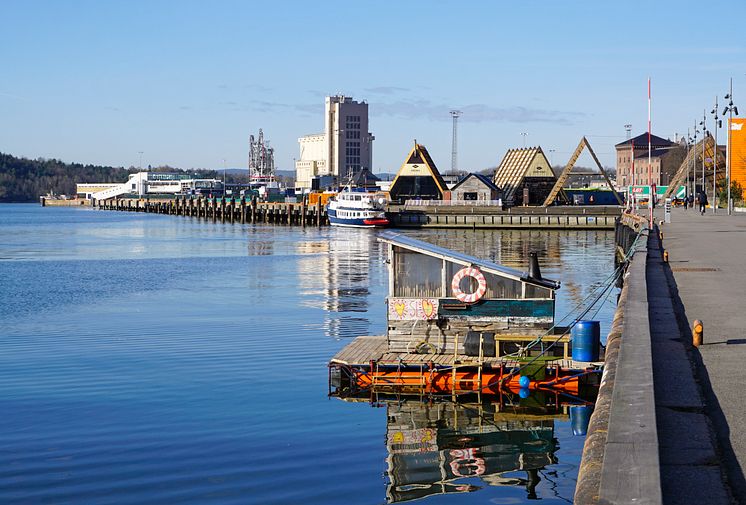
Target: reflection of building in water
x=432 y=447
x=341 y=279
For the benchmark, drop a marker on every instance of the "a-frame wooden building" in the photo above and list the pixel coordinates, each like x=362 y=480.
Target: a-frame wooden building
x=418 y=178
x=524 y=171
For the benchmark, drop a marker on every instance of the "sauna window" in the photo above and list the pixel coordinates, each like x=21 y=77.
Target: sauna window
x=537 y=292
x=497 y=286
x=417 y=275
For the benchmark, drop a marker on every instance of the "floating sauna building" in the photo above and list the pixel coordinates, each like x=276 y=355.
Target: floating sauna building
x=418 y=178
x=444 y=302
x=525 y=176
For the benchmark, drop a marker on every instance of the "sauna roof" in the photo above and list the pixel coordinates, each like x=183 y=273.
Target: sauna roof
x=519 y=164
x=463 y=259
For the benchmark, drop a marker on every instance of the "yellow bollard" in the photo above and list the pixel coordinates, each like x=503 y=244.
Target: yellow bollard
x=665 y=256
x=697 y=333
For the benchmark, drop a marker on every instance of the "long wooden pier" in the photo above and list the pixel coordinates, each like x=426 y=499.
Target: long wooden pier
x=235 y=210
x=229 y=210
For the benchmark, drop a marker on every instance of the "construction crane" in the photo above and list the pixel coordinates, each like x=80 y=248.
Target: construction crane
x=562 y=179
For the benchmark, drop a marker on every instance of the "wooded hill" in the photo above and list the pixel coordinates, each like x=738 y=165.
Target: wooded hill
x=25 y=180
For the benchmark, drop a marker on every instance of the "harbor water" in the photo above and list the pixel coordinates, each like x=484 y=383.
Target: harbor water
x=162 y=359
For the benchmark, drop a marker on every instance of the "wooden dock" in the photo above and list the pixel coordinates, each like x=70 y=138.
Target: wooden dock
x=227 y=210
x=240 y=210
x=362 y=350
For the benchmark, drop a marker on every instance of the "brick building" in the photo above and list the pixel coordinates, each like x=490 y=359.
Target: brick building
x=665 y=159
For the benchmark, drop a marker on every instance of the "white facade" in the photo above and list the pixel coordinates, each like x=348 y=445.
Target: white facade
x=144 y=183
x=345 y=147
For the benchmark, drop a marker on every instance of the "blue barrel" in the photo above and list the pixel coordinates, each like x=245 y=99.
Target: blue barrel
x=586 y=340
x=580 y=416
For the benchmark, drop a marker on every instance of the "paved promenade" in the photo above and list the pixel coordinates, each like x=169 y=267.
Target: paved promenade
x=708 y=262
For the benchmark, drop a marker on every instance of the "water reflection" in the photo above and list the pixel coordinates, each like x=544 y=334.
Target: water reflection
x=442 y=447
x=339 y=275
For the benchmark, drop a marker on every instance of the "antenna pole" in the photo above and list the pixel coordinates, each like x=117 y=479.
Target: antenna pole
x=454 y=149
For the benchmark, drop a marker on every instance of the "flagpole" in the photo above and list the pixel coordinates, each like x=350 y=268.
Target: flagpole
x=650 y=161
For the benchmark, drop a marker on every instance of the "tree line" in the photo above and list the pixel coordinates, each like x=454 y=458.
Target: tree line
x=25 y=180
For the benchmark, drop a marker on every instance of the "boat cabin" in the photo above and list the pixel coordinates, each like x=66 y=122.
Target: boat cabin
x=439 y=300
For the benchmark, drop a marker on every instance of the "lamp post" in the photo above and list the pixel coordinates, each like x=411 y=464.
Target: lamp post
x=140 y=166
x=730 y=109
x=694 y=160
x=703 y=124
x=718 y=123
x=524 y=135
x=688 y=147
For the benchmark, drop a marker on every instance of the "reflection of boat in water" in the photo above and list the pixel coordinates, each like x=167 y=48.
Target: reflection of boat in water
x=357 y=209
x=434 y=447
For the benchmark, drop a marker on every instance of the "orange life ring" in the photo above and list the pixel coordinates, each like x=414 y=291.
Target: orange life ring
x=477 y=275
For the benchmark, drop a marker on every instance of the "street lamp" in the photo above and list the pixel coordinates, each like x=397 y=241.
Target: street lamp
x=140 y=166
x=524 y=135
x=718 y=124
x=703 y=124
x=730 y=109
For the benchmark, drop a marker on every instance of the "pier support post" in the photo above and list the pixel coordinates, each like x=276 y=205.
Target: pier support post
x=253 y=210
x=243 y=210
x=303 y=211
x=318 y=213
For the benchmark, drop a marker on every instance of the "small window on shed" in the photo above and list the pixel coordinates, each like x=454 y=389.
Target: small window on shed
x=417 y=275
x=533 y=291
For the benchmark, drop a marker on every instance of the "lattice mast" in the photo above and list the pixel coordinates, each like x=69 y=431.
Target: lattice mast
x=261 y=159
x=454 y=149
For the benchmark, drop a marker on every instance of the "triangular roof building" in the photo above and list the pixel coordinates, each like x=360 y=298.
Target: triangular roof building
x=527 y=167
x=418 y=178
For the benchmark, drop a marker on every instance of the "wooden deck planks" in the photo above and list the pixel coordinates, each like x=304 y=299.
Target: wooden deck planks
x=366 y=348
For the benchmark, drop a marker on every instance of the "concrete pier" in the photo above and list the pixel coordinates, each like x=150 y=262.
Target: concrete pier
x=592 y=217
x=708 y=267
x=668 y=424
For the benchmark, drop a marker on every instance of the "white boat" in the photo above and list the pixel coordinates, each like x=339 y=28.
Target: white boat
x=357 y=209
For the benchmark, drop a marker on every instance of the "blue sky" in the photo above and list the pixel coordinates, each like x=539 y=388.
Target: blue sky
x=187 y=82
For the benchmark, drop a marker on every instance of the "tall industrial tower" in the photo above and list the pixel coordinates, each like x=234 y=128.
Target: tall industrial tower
x=261 y=160
x=454 y=151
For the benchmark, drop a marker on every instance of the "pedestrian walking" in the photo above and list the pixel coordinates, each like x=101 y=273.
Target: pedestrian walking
x=691 y=200
x=702 y=202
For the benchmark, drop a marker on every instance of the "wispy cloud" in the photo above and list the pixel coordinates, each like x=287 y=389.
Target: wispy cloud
x=424 y=109
x=305 y=109
x=386 y=90
x=10 y=95
x=474 y=113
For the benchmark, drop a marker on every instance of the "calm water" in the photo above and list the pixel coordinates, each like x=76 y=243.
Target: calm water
x=158 y=359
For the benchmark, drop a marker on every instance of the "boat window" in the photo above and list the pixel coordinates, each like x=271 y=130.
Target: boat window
x=417 y=275
x=357 y=198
